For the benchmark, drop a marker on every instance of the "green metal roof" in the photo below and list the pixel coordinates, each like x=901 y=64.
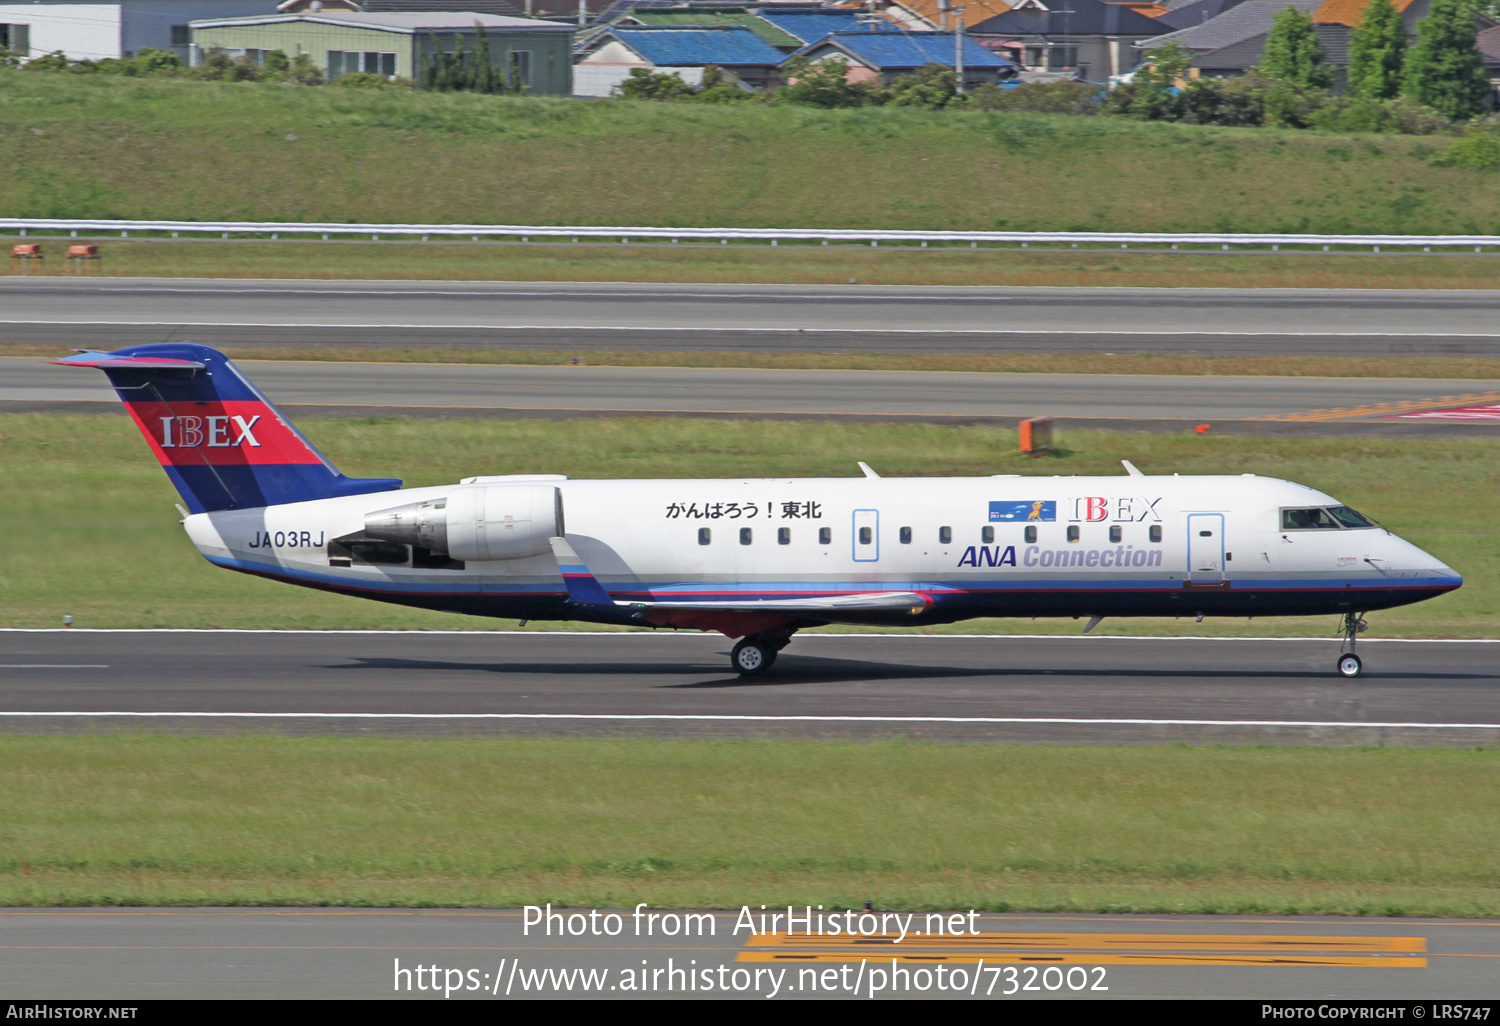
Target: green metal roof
x=715 y=19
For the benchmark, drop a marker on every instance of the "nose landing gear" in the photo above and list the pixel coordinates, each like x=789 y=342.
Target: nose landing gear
x=1349 y=664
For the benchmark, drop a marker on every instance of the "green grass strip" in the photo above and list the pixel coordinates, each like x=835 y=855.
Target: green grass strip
x=257 y=820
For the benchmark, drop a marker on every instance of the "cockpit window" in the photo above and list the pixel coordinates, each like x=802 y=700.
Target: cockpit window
x=1349 y=518
x=1307 y=519
x=1331 y=519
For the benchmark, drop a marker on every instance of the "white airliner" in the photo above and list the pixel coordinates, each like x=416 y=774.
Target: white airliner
x=753 y=559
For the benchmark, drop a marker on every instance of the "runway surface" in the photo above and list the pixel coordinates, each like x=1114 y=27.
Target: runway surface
x=140 y=954
x=486 y=390
x=773 y=318
x=1074 y=690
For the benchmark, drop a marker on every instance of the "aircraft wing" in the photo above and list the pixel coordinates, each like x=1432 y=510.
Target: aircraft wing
x=735 y=616
x=864 y=602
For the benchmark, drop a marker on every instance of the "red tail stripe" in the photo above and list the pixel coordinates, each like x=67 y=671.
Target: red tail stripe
x=235 y=433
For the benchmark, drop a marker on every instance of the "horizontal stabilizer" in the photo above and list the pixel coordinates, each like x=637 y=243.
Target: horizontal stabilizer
x=106 y=361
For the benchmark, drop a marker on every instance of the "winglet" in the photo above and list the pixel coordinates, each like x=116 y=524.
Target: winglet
x=584 y=588
x=866 y=468
x=1130 y=468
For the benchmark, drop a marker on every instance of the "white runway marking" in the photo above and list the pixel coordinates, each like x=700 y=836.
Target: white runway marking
x=54 y=666
x=689 y=637
x=679 y=718
x=777 y=330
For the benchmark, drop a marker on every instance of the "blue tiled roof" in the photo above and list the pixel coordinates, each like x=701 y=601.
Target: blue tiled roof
x=809 y=26
x=888 y=50
x=694 y=47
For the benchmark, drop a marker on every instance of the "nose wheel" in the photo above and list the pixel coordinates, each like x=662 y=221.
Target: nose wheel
x=1349 y=664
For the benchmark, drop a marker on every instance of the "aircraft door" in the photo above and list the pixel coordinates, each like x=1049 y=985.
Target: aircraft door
x=1206 y=548
x=866 y=535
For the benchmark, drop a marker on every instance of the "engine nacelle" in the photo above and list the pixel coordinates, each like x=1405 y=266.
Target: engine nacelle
x=478 y=523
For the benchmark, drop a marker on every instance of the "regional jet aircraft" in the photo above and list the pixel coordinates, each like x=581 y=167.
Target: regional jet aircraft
x=756 y=560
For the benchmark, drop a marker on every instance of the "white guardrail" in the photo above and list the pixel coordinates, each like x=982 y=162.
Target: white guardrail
x=477 y=232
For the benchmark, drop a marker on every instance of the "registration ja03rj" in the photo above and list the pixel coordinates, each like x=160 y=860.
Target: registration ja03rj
x=1440 y=1011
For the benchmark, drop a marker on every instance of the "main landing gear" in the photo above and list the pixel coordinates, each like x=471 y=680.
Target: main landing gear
x=755 y=655
x=1349 y=664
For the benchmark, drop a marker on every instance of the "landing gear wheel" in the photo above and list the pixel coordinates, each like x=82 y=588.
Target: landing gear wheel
x=752 y=657
x=1349 y=665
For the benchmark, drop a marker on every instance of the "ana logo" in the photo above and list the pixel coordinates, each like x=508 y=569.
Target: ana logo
x=192 y=432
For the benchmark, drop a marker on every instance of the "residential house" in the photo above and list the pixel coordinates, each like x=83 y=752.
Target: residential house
x=1084 y=39
x=94 y=31
x=532 y=54
x=881 y=56
x=503 y=8
x=608 y=58
x=1234 y=41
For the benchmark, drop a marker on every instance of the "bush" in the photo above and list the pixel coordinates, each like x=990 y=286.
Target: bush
x=1078 y=98
x=364 y=80
x=932 y=86
x=822 y=84
x=1238 y=102
x=1478 y=149
x=654 y=85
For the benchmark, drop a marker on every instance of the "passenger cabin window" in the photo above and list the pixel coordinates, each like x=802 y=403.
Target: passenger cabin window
x=1072 y=532
x=705 y=535
x=1031 y=534
x=945 y=535
x=986 y=535
x=865 y=536
x=1308 y=520
x=825 y=536
x=1155 y=533
x=905 y=536
x=745 y=536
x=783 y=536
x=1115 y=533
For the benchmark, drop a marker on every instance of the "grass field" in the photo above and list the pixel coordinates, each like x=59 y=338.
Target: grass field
x=835 y=265
x=225 y=821
x=95 y=535
x=95 y=146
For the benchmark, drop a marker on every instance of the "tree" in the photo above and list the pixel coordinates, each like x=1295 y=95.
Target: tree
x=1377 y=49
x=1292 y=52
x=277 y=63
x=1165 y=65
x=1444 y=71
x=486 y=77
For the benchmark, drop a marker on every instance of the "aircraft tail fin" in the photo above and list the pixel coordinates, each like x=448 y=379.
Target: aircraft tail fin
x=222 y=442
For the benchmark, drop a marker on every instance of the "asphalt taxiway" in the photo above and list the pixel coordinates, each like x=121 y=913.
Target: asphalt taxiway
x=770 y=318
x=467 y=390
x=484 y=954
x=1073 y=690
